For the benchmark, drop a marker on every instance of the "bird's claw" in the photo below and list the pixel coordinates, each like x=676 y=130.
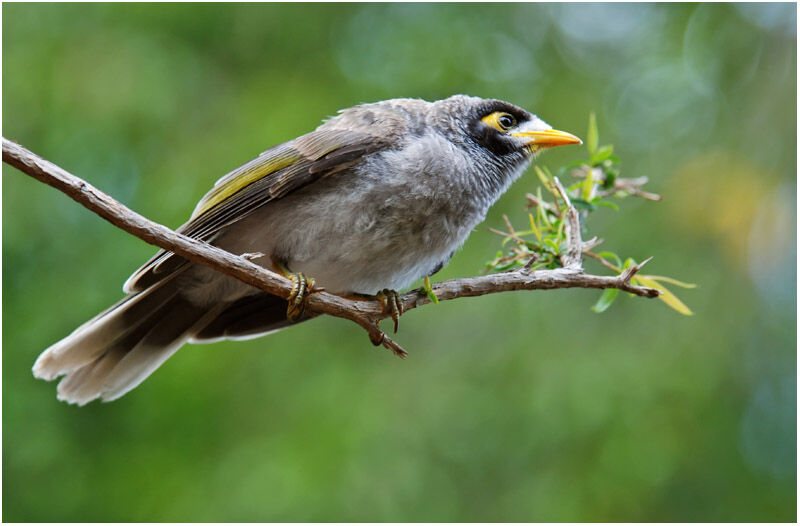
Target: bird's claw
x=391 y=304
x=301 y=288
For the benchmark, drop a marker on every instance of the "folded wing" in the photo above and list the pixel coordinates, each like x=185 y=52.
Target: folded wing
x=272 y=175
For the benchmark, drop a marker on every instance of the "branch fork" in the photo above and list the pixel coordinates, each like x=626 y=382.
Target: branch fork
x=365 y=313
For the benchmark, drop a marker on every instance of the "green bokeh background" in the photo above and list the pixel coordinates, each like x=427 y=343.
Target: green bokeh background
x=511 y=407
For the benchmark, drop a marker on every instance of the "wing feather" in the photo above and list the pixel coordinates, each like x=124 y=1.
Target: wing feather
x=272 y=175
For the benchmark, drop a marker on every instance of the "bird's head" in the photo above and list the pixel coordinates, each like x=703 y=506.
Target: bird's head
x=486 y=141
x=491 y=124
x=500 y=127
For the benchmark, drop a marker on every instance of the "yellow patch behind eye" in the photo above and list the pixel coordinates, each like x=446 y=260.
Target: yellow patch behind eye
x=493 y=120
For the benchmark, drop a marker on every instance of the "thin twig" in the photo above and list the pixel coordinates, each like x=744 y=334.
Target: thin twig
x=572 y=259
x=535 y=258
x=513 y=236
x=535 y=201
x=511 y=231
x=588 y=245
x=632 y=185
x=602 y=260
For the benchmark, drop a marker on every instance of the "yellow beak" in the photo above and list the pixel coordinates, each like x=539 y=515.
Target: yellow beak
x=547 y=138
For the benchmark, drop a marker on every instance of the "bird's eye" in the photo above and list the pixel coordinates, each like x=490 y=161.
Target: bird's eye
x=500 y=121
x=506 y=121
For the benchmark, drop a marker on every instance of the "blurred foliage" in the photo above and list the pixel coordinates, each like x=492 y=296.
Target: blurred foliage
x=511 y=407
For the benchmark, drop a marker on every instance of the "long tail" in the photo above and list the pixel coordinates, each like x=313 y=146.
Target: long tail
x=116 y=350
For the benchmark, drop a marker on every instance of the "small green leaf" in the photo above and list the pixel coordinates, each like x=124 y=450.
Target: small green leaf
x=549 y=243
x=537 y=231
x=666 y=296
x=605 y=301
x=602 y=154
x=560 y=230
x=429 y=289
x=551 y=186
x=674 y=281
x=611 y=255
x=580 y=204
x=607 y=204
x=592 y=134
x=543 y=215
x=611 y=172
x=541 y=175
x=587 y=186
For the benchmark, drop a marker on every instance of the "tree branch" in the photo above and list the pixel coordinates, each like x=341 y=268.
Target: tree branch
x=572 y=259
x=632 y=186
x=365 y=313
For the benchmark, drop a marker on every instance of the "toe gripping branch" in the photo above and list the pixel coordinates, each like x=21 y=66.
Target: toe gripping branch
x=391 y=304
x=301 y=288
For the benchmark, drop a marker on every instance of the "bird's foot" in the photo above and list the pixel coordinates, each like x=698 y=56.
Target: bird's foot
x=390 y=300
x=391 y=304
x=301 y=288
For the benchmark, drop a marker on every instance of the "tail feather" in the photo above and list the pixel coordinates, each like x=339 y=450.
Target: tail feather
x=85 y=384
x=92 y=339
x=161 y=342
x=116 y=350
x=248 y=317
x=132 y=358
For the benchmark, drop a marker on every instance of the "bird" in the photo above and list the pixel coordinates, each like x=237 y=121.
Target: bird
x=376 y=197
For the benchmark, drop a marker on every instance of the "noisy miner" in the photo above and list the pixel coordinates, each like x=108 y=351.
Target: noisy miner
x=376 y=197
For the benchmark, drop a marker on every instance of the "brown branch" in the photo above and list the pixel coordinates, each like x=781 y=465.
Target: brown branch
x=621 y=184
x=572 y=259
x=535 y=201
x=365 y=313
x=602 y=260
